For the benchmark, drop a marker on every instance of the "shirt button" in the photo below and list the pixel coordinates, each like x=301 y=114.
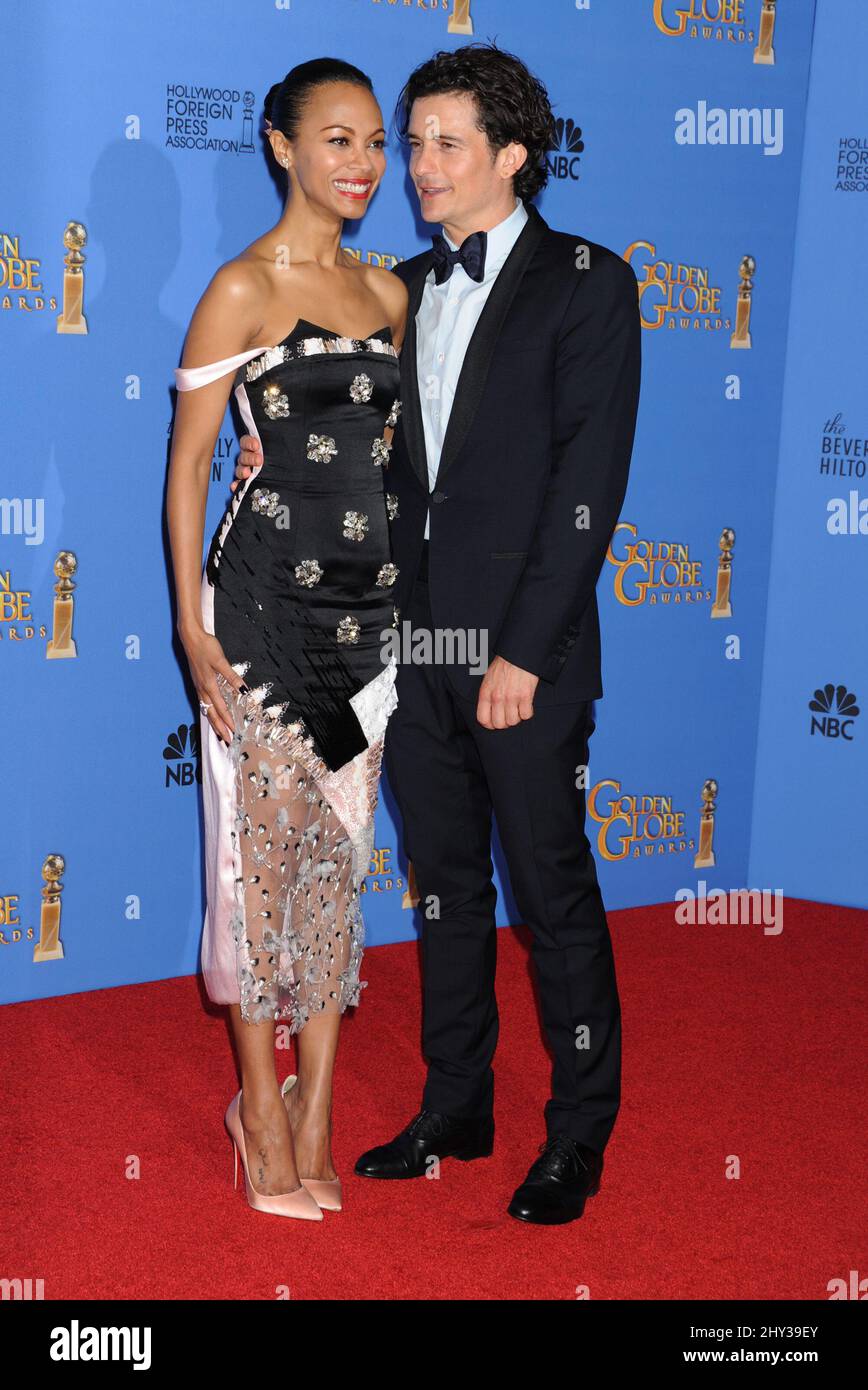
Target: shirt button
x=441 y=356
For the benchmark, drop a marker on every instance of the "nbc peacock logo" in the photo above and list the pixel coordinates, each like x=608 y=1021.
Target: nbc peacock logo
x=565 y=154
x=181 y=755
x=834 y=709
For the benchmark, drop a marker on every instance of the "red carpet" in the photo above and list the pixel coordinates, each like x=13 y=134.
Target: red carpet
x=734 y=1044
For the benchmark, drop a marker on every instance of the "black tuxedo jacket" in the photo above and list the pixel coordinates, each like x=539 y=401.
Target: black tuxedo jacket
x=542 y=424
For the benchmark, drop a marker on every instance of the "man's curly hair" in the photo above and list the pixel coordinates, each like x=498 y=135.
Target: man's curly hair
x=511 y=103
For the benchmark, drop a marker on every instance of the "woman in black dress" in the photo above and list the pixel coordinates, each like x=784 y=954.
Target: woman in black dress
x=283 y=629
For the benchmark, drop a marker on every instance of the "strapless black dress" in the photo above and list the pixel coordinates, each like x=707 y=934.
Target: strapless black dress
x=297 y=586
x=302 y=574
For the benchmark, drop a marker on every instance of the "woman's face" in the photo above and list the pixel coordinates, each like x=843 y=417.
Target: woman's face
x=338 y=157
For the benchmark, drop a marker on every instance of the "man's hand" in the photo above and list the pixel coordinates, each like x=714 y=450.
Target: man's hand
x=506 y=695
x=249 y=458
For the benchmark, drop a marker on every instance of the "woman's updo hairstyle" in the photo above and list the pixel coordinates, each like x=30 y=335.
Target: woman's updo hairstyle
x=284 y=104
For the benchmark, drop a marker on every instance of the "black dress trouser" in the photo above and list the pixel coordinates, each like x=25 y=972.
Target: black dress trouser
x=448 y=774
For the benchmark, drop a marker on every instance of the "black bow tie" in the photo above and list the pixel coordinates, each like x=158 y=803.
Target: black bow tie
x=471 y=254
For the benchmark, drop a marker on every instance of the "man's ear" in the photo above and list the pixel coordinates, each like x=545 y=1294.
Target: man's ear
x=513 y=158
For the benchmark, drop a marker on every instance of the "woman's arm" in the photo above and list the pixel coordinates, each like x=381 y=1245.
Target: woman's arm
x=224 y=324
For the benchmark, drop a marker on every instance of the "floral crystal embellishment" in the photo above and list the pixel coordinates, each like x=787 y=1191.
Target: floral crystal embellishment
x=392 y=417
x=321 y=447
x=348 y=630
x=387 y=576
x=275 y=403
x=355 y=526
x=265 y=502
x=308 y=573
x=361 y=388
x=380 y=451
x=392 y=505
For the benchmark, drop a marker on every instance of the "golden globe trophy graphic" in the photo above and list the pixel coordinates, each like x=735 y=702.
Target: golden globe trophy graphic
x=49 y=945
x=705 y=854
x=741 y=333
x=722 y=607
x=459 y=20
x=61 y=643
x=246 y=146
x=72 y=320
x=411 y=892
x=764 y=53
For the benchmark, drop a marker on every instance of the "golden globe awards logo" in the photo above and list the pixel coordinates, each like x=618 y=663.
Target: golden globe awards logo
x=460 y=20
x=648 y=571
x=12 y=929
x=21 y=278
x=722 y=21
x=382 y=878
x=385 y=259
x=674 y=294
x=17 y=623
x=635 y=826
x=719 y=21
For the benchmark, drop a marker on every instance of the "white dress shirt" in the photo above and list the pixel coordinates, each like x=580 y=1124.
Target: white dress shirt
x=445 y=321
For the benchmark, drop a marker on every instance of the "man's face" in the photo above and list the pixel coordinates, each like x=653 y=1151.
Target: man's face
x=460 y=180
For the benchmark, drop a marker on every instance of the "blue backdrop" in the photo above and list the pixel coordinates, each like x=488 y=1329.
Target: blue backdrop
x=143 y=124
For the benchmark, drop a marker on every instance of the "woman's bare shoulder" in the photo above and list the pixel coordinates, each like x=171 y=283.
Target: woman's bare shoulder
x=242 y=282
x=229 y=314
x=391 y=292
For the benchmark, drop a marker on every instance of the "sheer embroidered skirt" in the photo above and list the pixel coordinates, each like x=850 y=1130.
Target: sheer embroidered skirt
x=288 y=843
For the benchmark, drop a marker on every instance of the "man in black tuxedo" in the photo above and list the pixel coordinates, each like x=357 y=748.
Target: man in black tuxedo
x=519 y=386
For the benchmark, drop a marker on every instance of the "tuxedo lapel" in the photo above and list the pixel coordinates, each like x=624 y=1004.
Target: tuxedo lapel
x=474 y=370
x=411 y=413
x=471 y=380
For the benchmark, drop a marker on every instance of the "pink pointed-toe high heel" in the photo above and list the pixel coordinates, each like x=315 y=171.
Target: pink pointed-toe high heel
x=325 y=1192
x=300 y=1203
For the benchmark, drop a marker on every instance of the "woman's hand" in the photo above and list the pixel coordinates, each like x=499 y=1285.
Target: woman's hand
x=207 y=660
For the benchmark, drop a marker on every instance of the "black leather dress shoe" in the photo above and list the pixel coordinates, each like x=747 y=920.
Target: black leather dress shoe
x=558 y=1184
x=428 y=1135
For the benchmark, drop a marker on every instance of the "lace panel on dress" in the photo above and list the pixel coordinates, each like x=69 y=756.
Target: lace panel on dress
x=302 y=843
